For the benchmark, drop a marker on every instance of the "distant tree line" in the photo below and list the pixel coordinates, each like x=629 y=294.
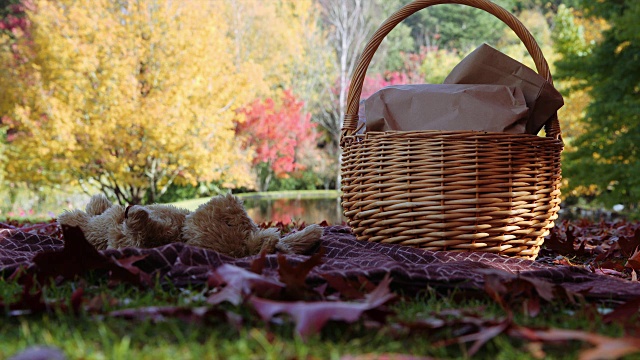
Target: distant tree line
x=151 y=100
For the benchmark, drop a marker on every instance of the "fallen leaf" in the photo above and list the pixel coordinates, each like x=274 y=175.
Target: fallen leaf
x=623 y=312
x=76 y=300
x=629 y=243
x=100 y=303
x=241 y=283
x=482 y=337
x=563 y=245
x=634 y=260
x=310 y=317
x=609 y=272
x=612 y=266
x=78 y=257
x=31 y=302
x=350 y=289
x=257 y=265
x=124 y=270
x=605 y=347
x=294 y=277
x=510 y=290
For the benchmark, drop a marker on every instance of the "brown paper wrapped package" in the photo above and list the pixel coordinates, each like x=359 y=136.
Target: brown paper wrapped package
x=447 y=107
x=486 y=65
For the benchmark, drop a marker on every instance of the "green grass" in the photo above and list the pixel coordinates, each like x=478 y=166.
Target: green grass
x=90 y=336
x=192 y=204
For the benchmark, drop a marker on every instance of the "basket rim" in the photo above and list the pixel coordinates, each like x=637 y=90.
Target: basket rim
x=350 y=121
x=453 y=135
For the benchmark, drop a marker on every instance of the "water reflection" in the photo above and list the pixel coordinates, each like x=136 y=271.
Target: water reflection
x=310 y=211
x=314 y=210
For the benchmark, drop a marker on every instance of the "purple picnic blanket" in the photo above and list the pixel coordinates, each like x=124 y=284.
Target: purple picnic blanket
x=411 y=269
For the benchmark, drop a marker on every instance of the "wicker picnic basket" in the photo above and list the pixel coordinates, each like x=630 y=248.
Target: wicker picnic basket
x=451 y=190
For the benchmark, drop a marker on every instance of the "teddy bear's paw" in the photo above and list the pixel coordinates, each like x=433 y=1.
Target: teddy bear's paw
x=98 y=205
x=263 y=240
x=301 y=242
x=74 y=218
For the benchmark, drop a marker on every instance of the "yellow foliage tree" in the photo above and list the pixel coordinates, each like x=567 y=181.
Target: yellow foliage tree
x=128 y=96
x=281 y=43
x=276 y=41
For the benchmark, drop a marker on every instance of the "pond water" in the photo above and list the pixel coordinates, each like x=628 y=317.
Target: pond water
x=287 y=210
x=315 y=210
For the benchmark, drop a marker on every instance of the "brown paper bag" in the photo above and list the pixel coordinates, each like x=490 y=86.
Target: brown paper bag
x=486 y=65
x=496 y=108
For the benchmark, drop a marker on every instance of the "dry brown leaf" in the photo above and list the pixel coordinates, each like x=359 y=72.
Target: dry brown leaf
x=604 y=347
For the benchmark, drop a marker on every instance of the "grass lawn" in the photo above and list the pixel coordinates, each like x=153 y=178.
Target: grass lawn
x=92 y=318
x=93 y=334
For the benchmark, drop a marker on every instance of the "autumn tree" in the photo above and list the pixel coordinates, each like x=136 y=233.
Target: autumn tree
x=279 y=42
x=13 y=20
x=13 y=25
x=572 y=34
x=349 y=25
x=607 y=155
x=455 y=27
x=125 y=96
x=276 y=132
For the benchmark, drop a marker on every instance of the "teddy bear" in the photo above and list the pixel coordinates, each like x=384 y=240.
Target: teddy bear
x=221 y=224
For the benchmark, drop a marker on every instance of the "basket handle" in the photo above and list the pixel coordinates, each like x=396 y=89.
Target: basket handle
x=552 y=126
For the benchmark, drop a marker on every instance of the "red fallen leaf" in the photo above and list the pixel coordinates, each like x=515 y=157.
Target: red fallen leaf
x=241 y=283
x=628 y=244
x=623 y=312
x=76 y=300
x=124 y=270
x=32 y=301
x=29 y=302
x=634 y=260
x=556 y=242
x=294 y=277
x=310 y=317
x=257 y=265
x=612 y=266
x=100 y=303
x=79 y=257
x=605 y=347
x=483 y=336
x=607 y=254
x=509 y=289
x=349 y=288
x=609 y=272
x=471 y=325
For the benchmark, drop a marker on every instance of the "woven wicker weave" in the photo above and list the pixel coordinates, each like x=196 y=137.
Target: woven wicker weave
x=451 y=190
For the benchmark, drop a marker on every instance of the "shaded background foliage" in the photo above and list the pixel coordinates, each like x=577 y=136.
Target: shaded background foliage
x=605 y=154
x=300 y=53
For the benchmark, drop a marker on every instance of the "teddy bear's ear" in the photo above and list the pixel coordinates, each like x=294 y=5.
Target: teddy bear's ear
x=97 y=205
